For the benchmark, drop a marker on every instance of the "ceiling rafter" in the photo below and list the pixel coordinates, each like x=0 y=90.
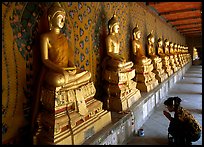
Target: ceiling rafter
x=179 y=11
x=183 y=31
x=194 y=23
x=184 y=18
x=193 y=31
x=186 y=28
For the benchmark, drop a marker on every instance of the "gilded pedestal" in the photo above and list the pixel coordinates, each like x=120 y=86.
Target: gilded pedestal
x=166 y=66
x=70 y=116
x=159 y=71
x=120 y=89
x=145 y=78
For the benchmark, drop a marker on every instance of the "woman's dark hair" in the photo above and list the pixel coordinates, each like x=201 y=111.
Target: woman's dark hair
x=172 y=101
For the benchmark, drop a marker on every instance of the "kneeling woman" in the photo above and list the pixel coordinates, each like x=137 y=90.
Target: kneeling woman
x=183 y=126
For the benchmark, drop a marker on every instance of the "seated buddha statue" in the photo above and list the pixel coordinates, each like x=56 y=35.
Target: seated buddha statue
x=114 y=60
x=150 y=48
x=171 y=48
x=160 y=49
x=166 y=47
x=137 y=48
x=55 y=54
x=66 y=96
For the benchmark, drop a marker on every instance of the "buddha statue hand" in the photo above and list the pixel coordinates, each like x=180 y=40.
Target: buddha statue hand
x=66 y=76
x=71 y=70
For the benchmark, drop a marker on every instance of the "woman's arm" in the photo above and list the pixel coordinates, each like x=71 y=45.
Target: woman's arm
x=168 y=115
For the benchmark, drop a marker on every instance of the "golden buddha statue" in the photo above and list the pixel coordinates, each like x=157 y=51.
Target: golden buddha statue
x=117 y=73
x=151 y=49
x=114 y=59
x=166 y=47
x=171 y=48
x=138 y=51
x=67 y=95
x=54 y=53
x=160 y=49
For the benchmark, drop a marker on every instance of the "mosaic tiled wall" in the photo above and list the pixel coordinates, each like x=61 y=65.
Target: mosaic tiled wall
x=86 y=29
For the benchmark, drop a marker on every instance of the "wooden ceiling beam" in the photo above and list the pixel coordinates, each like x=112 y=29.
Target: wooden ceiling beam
x=185 y=18
x=187 y=28
x=199 y=31
x=194 y=23
x=190 y=30
x=178 y=11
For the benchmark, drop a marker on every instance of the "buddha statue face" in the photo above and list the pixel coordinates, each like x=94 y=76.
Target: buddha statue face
x=175 y=46
x=56 y=16
x=171 y=44
x=115 y=28
x=160 y=42
x=166 y=42
x=136 y=33
x=152 y=39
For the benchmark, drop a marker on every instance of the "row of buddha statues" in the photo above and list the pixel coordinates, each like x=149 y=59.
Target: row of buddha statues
x=65 y=110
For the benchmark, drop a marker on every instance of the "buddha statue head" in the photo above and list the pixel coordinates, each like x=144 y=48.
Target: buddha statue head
x=136 y=33
x=171 y=44
x=150 y=38
x=178 y=46
x=175 y=46
x=56 y=16
x=166 y=42
x=113 y=24
x=160 y=42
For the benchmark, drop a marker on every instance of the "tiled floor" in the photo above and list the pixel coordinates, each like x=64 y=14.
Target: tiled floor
x=189 y=89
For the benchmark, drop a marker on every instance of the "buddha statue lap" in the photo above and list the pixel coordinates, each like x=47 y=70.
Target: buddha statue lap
x=67 y=95
x=157 y=61
x=165 y=58
x=120 y=88
x=145 y=78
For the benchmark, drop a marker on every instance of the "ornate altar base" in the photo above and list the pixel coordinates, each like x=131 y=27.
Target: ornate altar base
x=120 y=89
x=78 y=134
x=169 y=71
x=145 y=78
x=147 y=87
x=70 y=116
x=121 y=104
x=159 y=72
x=160 y=75
x=166 y=66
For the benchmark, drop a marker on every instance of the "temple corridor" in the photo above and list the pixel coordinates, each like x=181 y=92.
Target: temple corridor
x=189 y=89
